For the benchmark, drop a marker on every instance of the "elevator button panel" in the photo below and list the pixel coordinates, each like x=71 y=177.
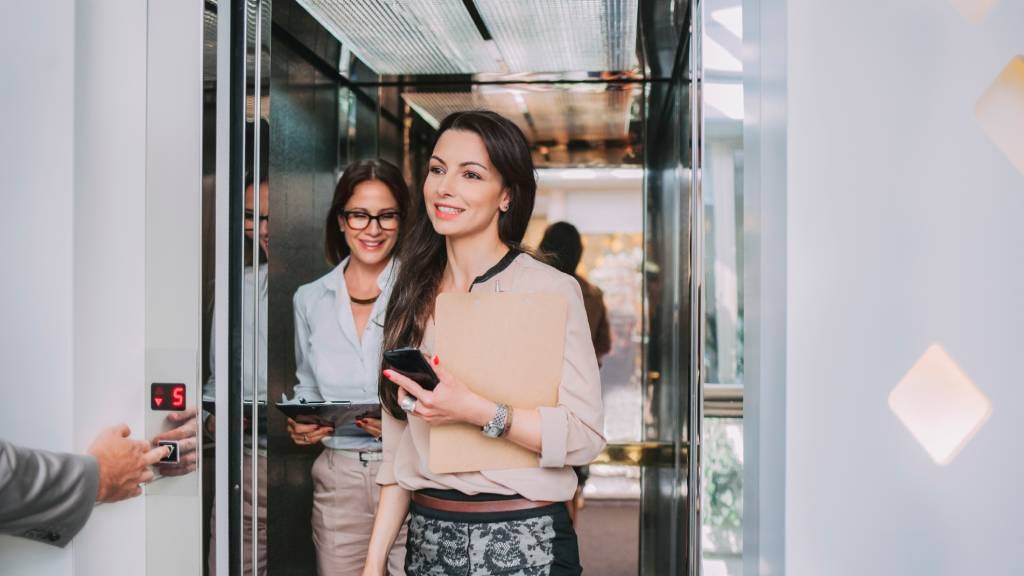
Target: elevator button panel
x=167 y=397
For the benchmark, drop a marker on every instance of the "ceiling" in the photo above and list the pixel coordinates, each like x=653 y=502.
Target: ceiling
x=426 y=37
x=554 y=116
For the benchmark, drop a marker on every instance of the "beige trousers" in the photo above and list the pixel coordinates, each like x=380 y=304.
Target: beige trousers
x=345 y=495
x=261 y=520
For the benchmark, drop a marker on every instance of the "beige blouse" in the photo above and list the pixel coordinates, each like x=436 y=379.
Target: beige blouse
x=571 y=432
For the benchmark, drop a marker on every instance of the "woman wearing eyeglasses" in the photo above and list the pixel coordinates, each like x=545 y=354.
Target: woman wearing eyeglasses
x=339 y=322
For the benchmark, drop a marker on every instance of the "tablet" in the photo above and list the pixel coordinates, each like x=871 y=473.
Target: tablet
x=341 y=415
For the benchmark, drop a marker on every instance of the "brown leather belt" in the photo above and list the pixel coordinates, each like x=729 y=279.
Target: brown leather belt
x=483 y=506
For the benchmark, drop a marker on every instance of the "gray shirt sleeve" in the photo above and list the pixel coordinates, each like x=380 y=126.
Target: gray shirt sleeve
x=45 y=496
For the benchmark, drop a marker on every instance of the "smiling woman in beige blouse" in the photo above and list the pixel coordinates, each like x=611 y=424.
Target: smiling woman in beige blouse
x=464 y=235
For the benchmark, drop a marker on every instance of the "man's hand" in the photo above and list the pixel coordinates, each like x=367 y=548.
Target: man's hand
x=124 y=463
x=185 y=433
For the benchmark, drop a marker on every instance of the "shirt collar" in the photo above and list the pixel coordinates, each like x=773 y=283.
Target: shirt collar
x=498 y=268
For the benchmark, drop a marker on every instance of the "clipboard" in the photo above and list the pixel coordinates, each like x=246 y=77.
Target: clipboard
x=507 y=347
x=340 y=415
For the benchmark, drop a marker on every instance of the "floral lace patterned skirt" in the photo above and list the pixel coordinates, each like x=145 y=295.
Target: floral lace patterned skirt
x=536 y=542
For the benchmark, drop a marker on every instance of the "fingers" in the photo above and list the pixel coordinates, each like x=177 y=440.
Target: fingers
x=372 y=426
x=442 y=374
x=153 y=456
x=121 y=430
x=146 y=477
x=298 y=428
x=407 y=384
x=312 y=436
x=320 y=434
x=187 y=445
x=182 y=416
x=186 y=465
x=179 y=433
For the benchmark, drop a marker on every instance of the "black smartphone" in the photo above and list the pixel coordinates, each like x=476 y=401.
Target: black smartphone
x=412 y=363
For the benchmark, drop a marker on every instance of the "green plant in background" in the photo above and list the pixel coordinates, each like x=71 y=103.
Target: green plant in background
x=723 y=485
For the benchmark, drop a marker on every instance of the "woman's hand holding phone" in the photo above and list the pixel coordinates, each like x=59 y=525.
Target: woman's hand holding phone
x=449 y=402
x=308 y=434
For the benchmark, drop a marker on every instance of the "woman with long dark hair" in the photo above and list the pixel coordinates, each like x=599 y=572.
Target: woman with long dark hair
x=477 y=200
x=339 y=323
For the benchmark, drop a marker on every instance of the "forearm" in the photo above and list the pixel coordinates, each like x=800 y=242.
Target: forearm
x=44 y=492
x=525 y=429
x=391 y=512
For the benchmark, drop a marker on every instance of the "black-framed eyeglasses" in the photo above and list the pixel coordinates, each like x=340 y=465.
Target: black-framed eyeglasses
x=250 y=216
x=359 y=220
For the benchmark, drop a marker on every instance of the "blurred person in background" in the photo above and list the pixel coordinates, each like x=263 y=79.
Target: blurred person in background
x=563 y=246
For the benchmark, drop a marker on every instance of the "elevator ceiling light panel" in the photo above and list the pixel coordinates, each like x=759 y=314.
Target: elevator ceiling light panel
x=973 y=10
x=940 y=405
x=563 y=35
x=558 y=116
x=1000 y=112
x=440 y=37
x=408 y=36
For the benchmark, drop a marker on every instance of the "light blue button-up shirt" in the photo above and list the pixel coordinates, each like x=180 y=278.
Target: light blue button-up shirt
x=331 y=361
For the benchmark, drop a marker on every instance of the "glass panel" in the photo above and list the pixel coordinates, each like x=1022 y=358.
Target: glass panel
x=723 y=190
x=722 y=465
x=722 y=106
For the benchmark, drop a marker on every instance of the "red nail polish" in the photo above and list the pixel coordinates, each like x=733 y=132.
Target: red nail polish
x=387 y=373
x=436 y=360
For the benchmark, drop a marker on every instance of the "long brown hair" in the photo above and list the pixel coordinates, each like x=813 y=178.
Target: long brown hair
x=335 y=247
x=423 y=257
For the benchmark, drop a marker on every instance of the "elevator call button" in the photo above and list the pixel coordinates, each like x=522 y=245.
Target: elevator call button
x=173 y=456
x=167 y=397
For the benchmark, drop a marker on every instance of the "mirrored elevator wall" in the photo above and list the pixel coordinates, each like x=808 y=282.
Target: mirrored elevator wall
x=326 y=111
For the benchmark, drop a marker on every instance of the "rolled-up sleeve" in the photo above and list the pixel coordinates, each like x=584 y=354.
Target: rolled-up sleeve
x=571 y=432
x=392 y=430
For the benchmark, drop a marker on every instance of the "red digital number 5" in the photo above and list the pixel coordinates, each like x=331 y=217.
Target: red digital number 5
x=178 y=396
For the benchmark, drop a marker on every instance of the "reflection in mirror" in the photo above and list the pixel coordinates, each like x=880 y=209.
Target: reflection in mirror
x=256 y=228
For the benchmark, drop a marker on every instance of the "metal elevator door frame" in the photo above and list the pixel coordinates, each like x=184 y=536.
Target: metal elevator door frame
x=670 y=522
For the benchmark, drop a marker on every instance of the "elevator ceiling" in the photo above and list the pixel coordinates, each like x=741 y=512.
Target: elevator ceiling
x=425 y=37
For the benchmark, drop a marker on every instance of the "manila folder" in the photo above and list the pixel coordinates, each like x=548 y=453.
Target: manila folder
x=508 y=348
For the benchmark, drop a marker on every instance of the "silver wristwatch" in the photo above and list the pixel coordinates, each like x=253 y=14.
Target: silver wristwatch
x=496 y=426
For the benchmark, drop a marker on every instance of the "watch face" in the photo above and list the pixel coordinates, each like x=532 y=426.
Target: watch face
x=494 y=428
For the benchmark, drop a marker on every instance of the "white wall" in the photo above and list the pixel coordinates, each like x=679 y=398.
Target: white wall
x=36 y=232
x=109 y=259
x=74 y=187
x=902 y=231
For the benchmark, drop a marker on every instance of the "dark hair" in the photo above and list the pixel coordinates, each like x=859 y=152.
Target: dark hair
x=423 y=256
x=563 y=246
x=335 y=247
